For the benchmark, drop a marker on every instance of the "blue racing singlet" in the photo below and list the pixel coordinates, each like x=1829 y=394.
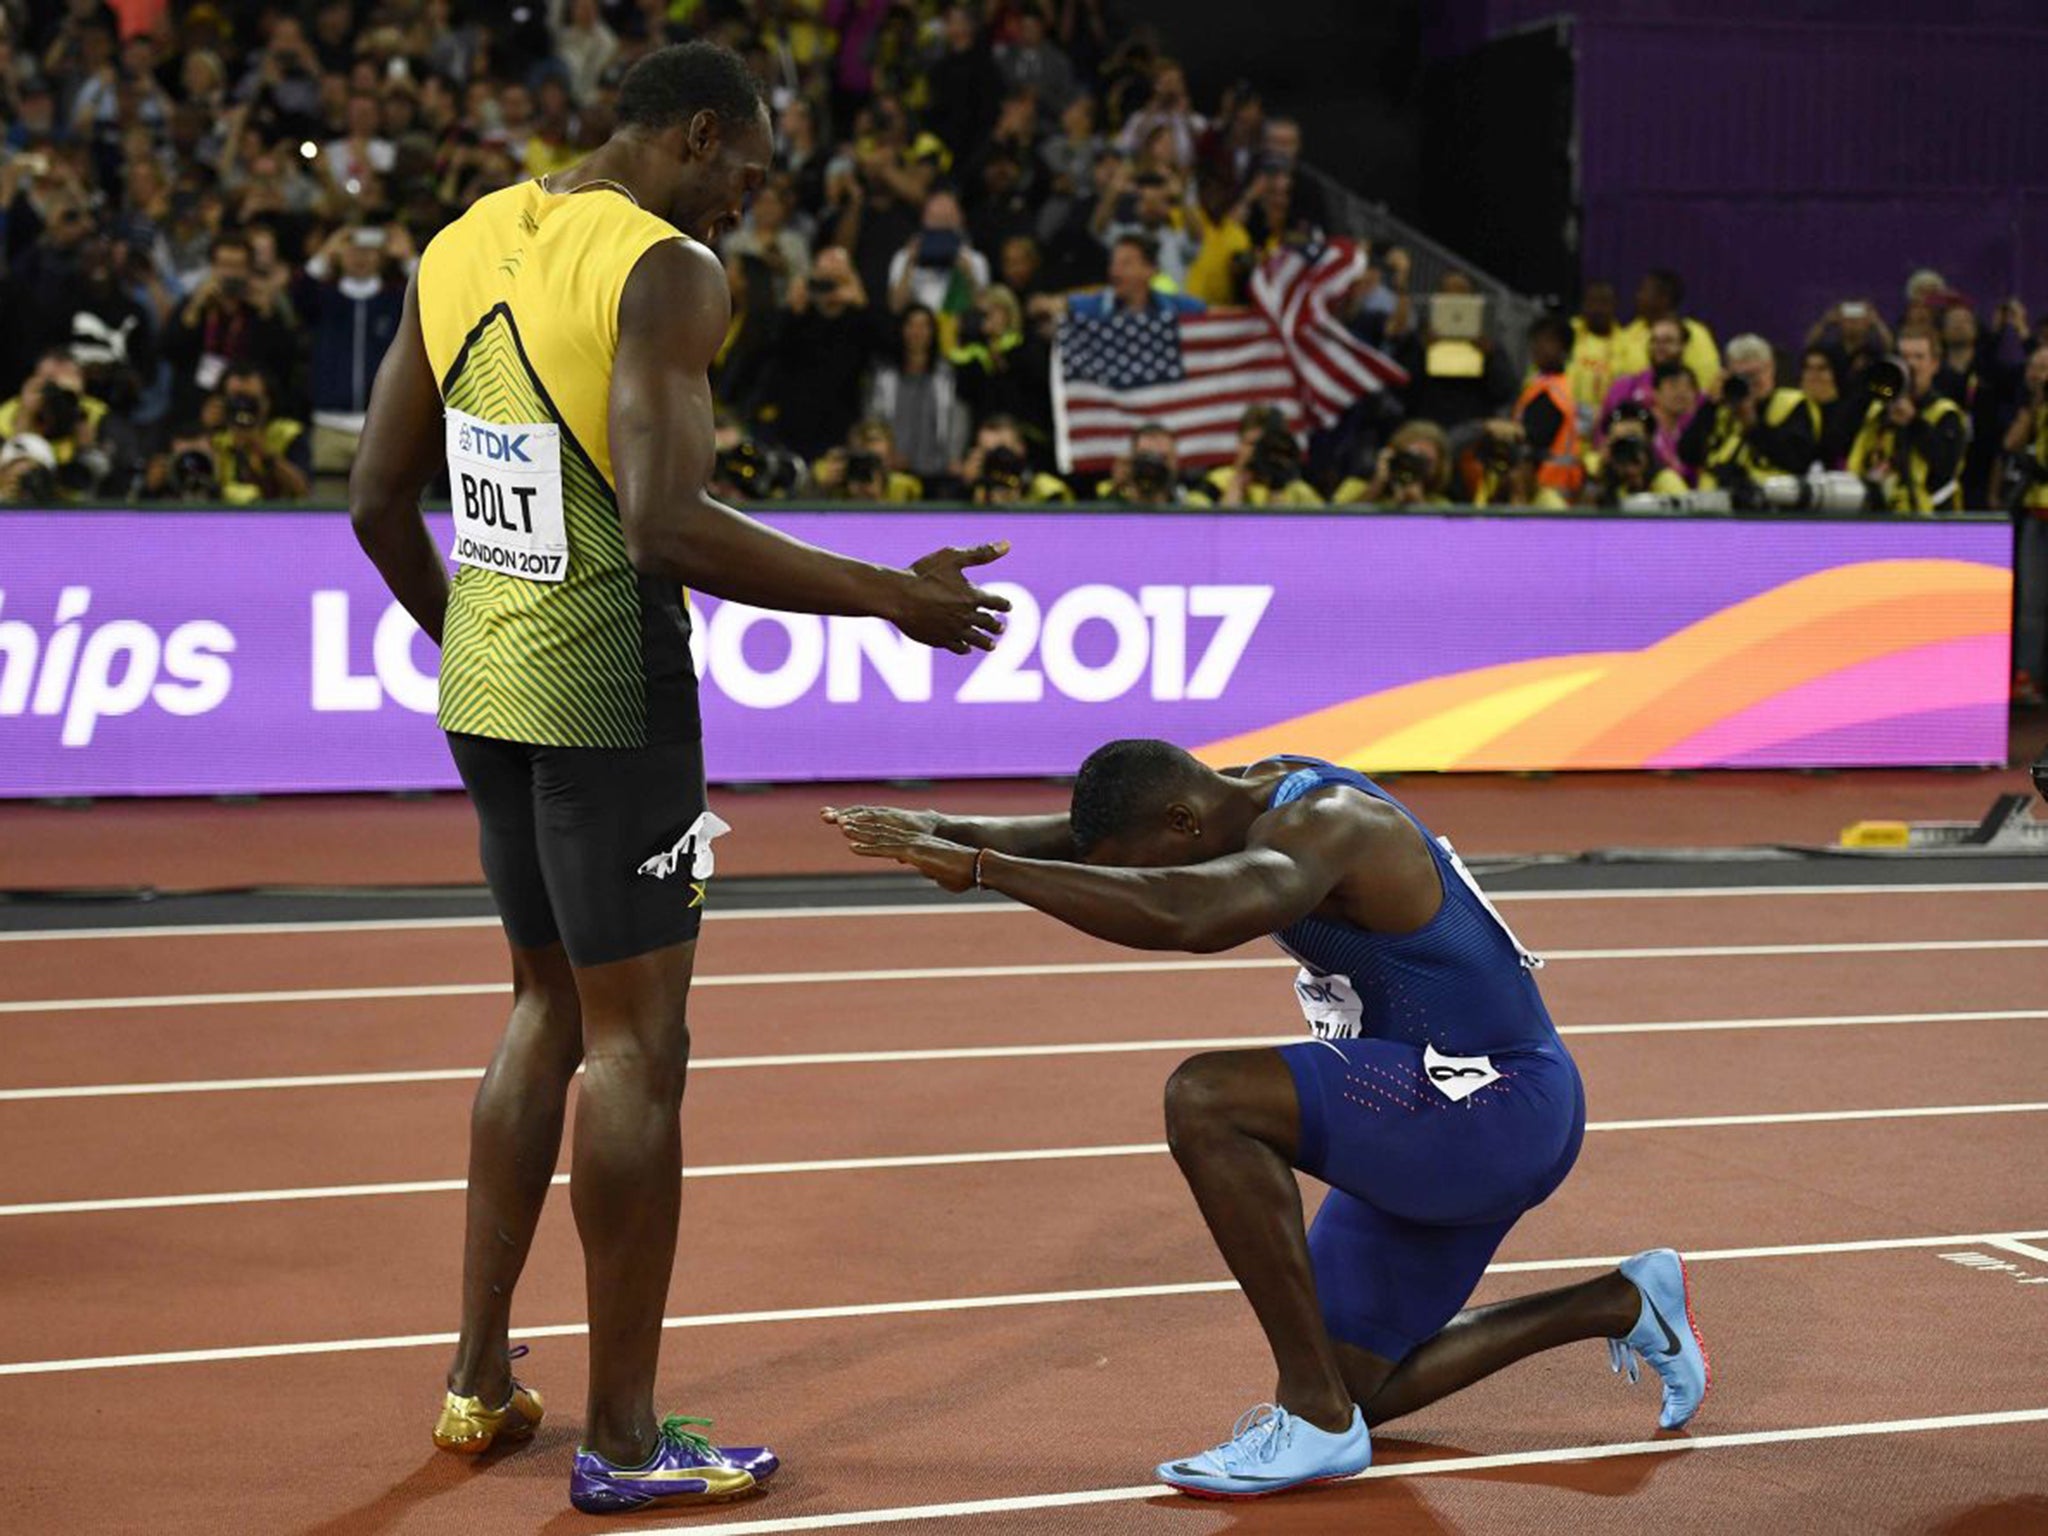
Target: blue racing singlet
x=1461 y=983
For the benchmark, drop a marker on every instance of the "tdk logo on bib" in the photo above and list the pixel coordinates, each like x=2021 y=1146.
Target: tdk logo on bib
x=505 y=479
x=494 y=447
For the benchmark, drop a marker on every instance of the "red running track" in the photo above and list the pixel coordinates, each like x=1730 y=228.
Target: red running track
x=1846 y=1132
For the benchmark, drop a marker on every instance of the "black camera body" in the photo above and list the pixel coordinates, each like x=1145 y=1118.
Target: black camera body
x=1003 y=469
x=59 y=411
x=1734 y=389
x=758 y=472
x=244 y=409
x=1886 y=379
x=863 y=468
x=1500 y=453
x=1628 y=451
x=193 y=475
x=1276 y=459
x=1408 y=467
x=1151 y=477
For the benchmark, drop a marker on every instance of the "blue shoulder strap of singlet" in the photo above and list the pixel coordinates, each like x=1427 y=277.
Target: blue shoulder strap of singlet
x=1305 y=780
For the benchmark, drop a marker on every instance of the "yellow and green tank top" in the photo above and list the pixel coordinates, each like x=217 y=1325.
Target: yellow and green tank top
x=551 y=636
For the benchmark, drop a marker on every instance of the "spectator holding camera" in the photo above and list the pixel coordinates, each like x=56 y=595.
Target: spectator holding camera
x=1149 y=474
x=1548 y=413
x=819 y=354
x=259 y=457
x=1141 y=204
x=228 y=322
x=1910 y=449
x=1628 y=465
x=938 y=269
x=2023 y=484
x=1753 y=428
x=998 y=470
x=352 y=297
x=917 y=394
x=1169 y=110
x=1412 y=472
x=1855 y=337
x=1267 y=471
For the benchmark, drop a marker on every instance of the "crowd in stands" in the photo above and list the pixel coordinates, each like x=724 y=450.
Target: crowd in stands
x=208 y=212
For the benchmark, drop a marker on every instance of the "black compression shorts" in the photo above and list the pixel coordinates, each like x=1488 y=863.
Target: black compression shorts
x=595 y=848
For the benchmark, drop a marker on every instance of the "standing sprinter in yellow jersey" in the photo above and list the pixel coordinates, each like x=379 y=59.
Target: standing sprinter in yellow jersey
x=553 y=354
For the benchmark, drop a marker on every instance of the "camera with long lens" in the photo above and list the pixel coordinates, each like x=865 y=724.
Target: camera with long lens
x=1818 y=490
x=1151 y=477
x=244 y=408
x=1276 y=459
x=865 y=473
x=193 y=475
x=59 y=411
x=1408 y=467
x=1003 y=472
x=1628 y=452
x=1886 y=378
x=757 y=471
x=1734 y=389
x=2023 y=471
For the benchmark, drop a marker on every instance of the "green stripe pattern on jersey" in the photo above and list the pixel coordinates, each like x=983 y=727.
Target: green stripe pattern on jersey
x=553 y=664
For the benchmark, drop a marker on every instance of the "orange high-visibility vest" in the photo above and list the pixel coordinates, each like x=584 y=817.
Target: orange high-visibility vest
x=1560 y=467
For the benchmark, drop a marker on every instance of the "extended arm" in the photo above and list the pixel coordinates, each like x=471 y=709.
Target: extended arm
x=672 y=320
x=401 y=451
x=1293 y=861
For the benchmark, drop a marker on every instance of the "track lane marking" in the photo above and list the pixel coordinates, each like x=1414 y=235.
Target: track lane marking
x=956 y=1304
x=1433 y=1467
x=980 y=973
x=971 y=1053
x=941 y=909
x=938 y=1160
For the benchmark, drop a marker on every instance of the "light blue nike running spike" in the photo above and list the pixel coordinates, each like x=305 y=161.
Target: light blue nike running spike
x=1665 y=1336
x=1271 y=1451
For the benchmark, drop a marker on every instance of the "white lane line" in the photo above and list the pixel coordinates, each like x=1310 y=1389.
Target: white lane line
x=981 y=973
x=2014 y=1245
x=936 y=1160
x=983 y=908
x=956 y=1304
x=971 y=1053
x=1434 y=1467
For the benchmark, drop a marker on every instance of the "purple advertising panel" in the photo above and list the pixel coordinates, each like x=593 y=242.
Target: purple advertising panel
x=179 y=652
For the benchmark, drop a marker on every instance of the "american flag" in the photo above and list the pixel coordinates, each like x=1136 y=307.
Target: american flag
x=1195 y=374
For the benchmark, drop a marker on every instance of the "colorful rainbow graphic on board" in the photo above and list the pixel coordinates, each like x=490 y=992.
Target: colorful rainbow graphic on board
x=1793 y=675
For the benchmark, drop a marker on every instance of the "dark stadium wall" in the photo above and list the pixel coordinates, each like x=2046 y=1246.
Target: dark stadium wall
x=1349 y=70
x=1787 y=156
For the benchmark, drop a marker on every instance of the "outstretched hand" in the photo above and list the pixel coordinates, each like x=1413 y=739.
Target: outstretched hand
x=942 y=609
x=880 y=832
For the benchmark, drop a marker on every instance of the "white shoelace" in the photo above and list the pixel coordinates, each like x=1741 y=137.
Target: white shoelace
x=1623 y=1359
x=1256 y=1438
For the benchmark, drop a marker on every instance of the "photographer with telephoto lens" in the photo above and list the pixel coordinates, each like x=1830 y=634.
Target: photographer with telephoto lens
x=1149 y=474
x=260 y=457
x=1628 y=464
x=1267 y=469
x=1910 y=449
x=1413 y=471
x=1752 y=428
x=53 y=417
